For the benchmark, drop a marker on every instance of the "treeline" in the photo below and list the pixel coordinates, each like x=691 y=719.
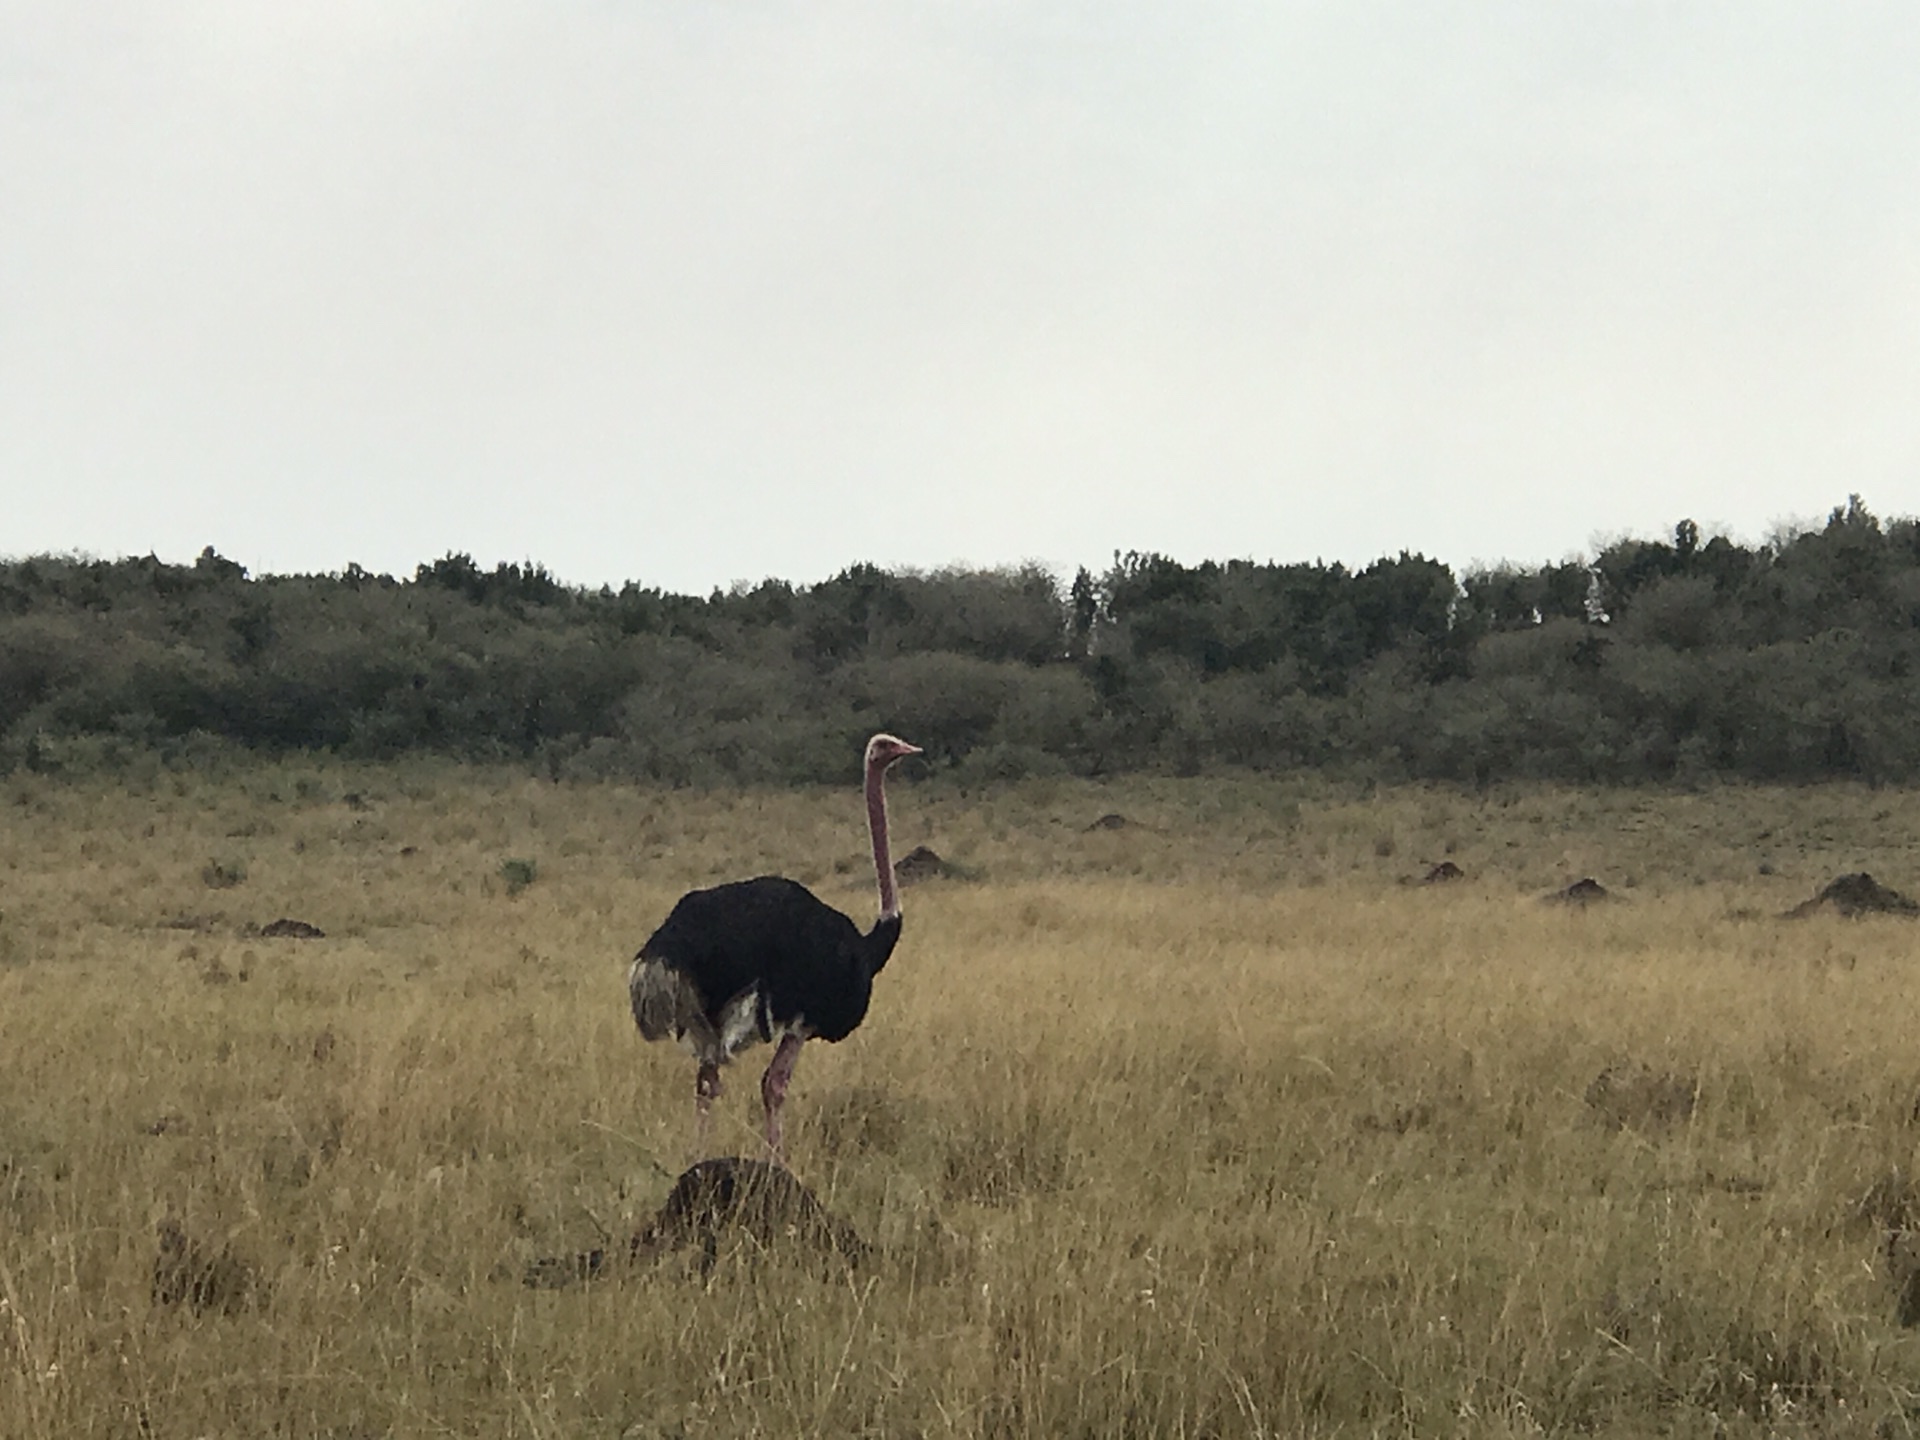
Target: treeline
x=1655 y=660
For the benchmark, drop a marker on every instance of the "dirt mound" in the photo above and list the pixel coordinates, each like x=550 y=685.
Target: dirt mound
x=1442 y=873
x=1632 y=1093
x=284 y=929
x=1854 y=895
x=919 y=863
x=1581 y=892
x=728 y=1198
x=1112 y=820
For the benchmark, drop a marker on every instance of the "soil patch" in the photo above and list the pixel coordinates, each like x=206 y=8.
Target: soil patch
x=1585 y=891
x=1854 y=895
x=724 y=1199
x=284 y=929
x=920 y=863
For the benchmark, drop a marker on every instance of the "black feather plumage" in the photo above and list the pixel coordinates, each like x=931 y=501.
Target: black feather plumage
x=812 y=966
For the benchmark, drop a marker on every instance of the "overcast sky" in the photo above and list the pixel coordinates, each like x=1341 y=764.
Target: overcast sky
x=700 y=292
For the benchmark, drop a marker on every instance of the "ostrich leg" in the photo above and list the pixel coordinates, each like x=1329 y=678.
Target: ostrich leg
x=705 y=1087
x=773 y=1090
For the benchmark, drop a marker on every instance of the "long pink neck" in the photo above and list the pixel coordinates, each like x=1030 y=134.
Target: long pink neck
x=877 y=823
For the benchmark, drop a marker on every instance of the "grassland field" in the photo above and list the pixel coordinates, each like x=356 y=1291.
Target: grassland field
x=1203 y=1126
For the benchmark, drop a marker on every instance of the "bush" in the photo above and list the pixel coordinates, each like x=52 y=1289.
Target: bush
x=1671 y=658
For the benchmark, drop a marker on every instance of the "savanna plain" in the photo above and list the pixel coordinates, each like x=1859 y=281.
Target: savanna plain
x=1204 y=1124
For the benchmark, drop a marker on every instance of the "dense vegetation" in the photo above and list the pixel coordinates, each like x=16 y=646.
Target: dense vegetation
x=1655 y=660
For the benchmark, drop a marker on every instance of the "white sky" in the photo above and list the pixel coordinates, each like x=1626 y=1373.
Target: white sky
x=708 y=291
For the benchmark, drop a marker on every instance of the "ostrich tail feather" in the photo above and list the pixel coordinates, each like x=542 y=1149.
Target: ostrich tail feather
x=665 y=1004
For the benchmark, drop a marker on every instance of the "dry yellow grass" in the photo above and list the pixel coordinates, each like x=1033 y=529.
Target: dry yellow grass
x=1203 y=1126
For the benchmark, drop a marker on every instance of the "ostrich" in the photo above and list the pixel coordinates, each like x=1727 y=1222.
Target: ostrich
x=766 y=959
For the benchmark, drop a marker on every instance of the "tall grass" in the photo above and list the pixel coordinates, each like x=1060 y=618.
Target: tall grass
x=1201 y=1126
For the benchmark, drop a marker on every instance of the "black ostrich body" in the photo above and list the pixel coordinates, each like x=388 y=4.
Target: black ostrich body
x=753 y=960
x=766 y=959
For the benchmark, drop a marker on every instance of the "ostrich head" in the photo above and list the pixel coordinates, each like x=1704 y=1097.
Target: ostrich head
x=883 y=750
